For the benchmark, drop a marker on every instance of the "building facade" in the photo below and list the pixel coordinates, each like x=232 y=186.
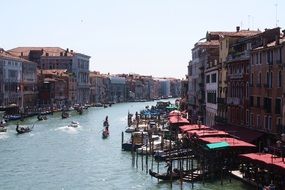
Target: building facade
x=49 y=58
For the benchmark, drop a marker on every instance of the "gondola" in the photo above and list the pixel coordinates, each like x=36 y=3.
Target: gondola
x=174 y=176
x=42 y=117
x=21 y=130
x=80 y=110
x=64 y=115
x=105 y=134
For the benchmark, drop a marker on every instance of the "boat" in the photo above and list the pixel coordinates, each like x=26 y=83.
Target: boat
x=64 y=115
x=74 y=124
x=3 y=129
x=80 y=110
x=130 y=129
x=175 y=175
x=23 y=129
x=12 y=117
x=105 y=133
x=42 y=117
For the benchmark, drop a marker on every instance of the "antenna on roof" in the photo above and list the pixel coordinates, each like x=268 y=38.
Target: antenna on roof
x=276 y=15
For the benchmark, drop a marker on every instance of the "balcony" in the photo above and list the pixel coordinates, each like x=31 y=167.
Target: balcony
x=258 y=85
x=238 y=56
x=233 y=100
x=235 y=76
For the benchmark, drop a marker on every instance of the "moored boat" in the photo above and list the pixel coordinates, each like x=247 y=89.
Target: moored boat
x=175 y=175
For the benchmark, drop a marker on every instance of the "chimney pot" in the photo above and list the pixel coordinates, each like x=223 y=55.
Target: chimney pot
x=67 y=49
x=238 y=28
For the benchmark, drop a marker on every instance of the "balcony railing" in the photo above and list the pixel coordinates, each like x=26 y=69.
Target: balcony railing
x=239 y=56
x=235 y=76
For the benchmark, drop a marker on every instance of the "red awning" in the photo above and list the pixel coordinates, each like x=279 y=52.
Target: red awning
x=265 y=159
x=233 y=142
x=208 y=133
x=177 y=120
x=185 y=128
x=245 y=134
x=174 y=113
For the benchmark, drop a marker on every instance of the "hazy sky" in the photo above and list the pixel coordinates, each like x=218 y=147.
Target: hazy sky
x=151 y=37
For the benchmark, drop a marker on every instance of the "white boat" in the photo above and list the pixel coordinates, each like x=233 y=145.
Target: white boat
x=130 y=129
x=74 y=124
x=3 y=129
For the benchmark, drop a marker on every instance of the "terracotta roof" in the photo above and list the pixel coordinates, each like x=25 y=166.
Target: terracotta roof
x=241 y=33
x=271 y=44
x=52 y=51
x=208 y=43
x=7 y=55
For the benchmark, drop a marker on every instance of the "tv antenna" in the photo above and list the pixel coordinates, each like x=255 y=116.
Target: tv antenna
x=276 y=14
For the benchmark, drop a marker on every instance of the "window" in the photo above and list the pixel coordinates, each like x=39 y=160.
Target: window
x=279 y=79
x=267 y=105
x=211 y=97
x=251 y=99
x=251 y=119
x=265 y=122
x=278 y=106
x=258 y=121
x=269 y=122
x=247 y=117
x=267 y=78
x=246 y=90
x=258 y=102
x=208 y=79
x=270 y=79
x=214 y=78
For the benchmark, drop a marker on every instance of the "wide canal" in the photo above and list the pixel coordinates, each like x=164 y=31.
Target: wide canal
x=54 y=156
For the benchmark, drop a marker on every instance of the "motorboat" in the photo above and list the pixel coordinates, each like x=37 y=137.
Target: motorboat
x=3 y=129
x=74 y=124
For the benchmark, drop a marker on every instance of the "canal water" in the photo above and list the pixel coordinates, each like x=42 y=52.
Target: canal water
x=54 y=156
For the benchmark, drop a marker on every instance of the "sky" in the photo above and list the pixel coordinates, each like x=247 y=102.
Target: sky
x=148 y=37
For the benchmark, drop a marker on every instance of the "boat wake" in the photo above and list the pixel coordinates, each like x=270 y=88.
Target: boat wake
x=3 y=136
x=70 y=130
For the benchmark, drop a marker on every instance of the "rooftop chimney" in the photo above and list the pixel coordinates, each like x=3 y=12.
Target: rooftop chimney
x=67 y=49
x=238 y=28
x=283 y=33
